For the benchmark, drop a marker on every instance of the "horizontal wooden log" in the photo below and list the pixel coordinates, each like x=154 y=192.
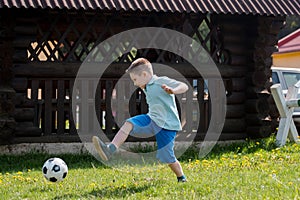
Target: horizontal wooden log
x=260 y=66
x=23 y=42
x=273 y=111
x=24 y=114
x=236 y=98
x=264 y=51
x=260 y=106
x=20 y=84
x=28 y=29
x=254 y=93
x=259 y=131
x=238 y=49
x=24 y=124
x=234 y=125
x=238 y=84
x=23 y=102
x=238 y=60
x=20 y=56
x=257 y=120
x=28 y=131
x=7 y=122
x=52 y=69
x=237 y=38
x=235 y=111
x=258 y=78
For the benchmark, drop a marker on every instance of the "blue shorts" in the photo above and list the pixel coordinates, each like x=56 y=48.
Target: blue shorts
x=144 y=127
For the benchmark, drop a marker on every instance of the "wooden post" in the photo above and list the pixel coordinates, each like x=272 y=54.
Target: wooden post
x=285 y=107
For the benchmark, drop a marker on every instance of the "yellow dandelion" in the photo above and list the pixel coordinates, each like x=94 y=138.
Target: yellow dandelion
x=28 y=179
x=257 y=143
x=28 y=170
x=19 y=173
x=290 y=183
x=246 y=157
x=93 y=185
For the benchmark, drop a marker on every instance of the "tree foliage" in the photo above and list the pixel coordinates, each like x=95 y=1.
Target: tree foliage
x=292 y=24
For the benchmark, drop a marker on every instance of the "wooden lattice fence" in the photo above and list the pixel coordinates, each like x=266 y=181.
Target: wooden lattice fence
x=50 y=49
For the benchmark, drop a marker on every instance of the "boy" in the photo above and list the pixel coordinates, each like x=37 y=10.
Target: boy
x=162 y=120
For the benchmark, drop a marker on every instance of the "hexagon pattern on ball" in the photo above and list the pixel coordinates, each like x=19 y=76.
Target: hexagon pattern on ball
x=55 y=169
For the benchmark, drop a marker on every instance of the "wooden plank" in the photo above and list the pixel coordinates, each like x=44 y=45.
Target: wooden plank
x=120 y=102
x=84 y=107
x=60 y=107
x=72 y=121
x=70 y=69
x=38 y=105
x=98 y=104
x=189 y=109
x=203 y=121
x=48 y=108
x=132 y=100
x=109 y=121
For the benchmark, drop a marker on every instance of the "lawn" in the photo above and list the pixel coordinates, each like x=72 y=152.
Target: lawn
x=250 y=170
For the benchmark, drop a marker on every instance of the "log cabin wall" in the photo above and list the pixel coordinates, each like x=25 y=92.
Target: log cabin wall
x=234 y=41
x=250 y=41
x=263 y=118
x=238 y=35
x=7 y=93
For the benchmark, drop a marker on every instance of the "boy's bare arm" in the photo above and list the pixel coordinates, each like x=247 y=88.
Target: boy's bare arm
x=181 y=88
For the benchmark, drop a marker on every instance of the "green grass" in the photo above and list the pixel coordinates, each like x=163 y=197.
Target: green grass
x=249 y=170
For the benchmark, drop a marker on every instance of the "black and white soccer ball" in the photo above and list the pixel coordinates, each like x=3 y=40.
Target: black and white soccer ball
x=55 y=169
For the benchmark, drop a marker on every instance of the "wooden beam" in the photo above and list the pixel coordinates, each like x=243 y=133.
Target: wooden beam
x=63 y=69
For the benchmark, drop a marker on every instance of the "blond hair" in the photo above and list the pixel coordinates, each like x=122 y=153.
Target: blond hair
x=140 y=65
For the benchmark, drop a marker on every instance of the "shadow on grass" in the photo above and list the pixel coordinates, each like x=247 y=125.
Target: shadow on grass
x=107 y=192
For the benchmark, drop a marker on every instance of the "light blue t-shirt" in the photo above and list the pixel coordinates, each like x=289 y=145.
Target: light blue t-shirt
x=162 y=106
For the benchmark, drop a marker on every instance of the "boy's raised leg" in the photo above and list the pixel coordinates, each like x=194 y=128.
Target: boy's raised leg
x=105 y=151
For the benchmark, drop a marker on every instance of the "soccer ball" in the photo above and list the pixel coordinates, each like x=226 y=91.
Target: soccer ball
x=55 y=169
